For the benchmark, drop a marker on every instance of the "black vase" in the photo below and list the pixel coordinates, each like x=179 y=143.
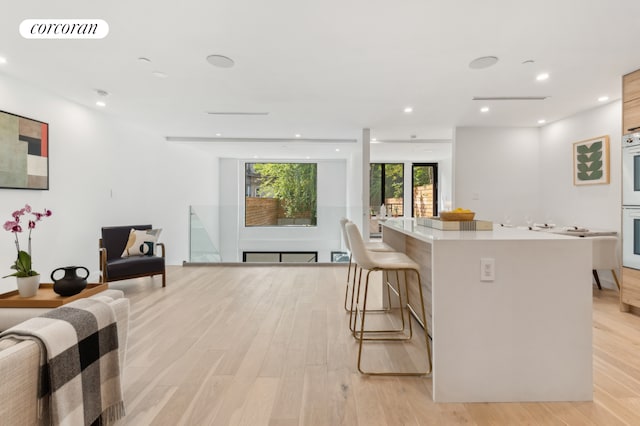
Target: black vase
x=70 y=283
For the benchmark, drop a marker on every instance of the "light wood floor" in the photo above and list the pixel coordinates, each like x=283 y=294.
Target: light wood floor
x=269 y=346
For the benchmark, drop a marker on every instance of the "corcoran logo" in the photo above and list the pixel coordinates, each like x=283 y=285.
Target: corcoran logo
x=64 y=28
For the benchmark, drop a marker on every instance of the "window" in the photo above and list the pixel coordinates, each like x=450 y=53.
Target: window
x=387 y=187
x=280 y=194
x=280 y=256
x=425 y=190
x=339 y=256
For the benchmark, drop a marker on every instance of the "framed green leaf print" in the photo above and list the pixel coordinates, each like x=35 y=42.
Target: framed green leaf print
x=591 y=161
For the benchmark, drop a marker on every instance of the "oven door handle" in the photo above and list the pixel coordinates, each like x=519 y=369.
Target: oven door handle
x=634 y=214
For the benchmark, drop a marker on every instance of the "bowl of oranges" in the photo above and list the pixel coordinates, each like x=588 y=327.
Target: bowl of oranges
x=459 y=215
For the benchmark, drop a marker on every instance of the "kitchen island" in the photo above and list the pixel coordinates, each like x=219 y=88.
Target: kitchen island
x=519 y=329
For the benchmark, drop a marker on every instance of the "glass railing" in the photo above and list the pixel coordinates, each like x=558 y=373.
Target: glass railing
x=202 y=230
x=218 y=234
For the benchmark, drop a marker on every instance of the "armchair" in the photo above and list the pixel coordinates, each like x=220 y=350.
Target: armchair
x=113 y=267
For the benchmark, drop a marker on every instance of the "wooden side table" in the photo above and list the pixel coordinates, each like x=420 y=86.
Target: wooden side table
x=15 y=309
x=46 y=297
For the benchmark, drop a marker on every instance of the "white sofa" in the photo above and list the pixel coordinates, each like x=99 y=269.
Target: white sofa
x=19 y=363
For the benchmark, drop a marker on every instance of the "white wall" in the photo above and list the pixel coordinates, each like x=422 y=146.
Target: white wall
x=323 y=238
x=513 y=172
x=354 y=191
x=497 y=173
x=592 y=206
x=103 y=171
x=445 y=183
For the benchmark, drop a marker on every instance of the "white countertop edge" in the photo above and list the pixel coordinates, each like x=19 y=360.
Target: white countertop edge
x=499 y=233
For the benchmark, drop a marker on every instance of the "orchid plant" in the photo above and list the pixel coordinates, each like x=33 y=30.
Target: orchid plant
x=22 y=265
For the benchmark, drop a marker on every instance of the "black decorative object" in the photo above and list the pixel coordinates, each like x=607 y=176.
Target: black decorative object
x=70 y=283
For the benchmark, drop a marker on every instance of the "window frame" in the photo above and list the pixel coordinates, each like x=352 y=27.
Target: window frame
x=383 y=177
x=247 y=189
x=435 y=186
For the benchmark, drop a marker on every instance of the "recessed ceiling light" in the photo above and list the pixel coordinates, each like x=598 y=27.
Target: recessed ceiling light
x=102 y=93
x=374 y=139
x=255 y=156
x=484 y=109
x=101 y=104
x=543 y=76
x=337 y=149
x=603 y=98
x=307 y=157
x=298 y=135
x=483 y=62
x=160 y=74
x=218 y=134
x=220 y=61
x=3 y=60
x=143 y=59
x=408 y=110
x=542 y=121
x=528 y=61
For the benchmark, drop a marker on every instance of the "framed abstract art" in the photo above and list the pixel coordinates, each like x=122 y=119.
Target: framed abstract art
x=591 y=161
x=24 y=152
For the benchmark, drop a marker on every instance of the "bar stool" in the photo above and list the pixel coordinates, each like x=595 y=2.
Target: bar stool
x=605 y=257
x=384 y=261
x=371 y=246
x=355 y=290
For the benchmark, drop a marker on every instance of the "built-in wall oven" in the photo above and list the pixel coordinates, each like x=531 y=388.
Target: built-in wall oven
x=631 y=240
x=631 y=170
x=631 y=201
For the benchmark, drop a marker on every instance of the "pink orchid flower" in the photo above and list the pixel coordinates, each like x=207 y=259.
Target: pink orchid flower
x=8 y=225
x=15 y=227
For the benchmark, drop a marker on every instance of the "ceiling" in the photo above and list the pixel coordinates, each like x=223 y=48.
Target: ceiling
x=327 y=69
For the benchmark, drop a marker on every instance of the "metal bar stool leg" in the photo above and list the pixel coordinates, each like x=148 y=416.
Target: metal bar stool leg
x=426 y=327
x=362 y=323
x=346 y=289
x=354 y=309
x=353 y=312
x=353 y=322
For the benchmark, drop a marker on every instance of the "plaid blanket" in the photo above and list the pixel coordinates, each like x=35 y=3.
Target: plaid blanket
x=79 y=367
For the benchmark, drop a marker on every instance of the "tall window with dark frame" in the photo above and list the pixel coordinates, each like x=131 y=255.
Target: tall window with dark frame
x=425 y=189
x=386 y=186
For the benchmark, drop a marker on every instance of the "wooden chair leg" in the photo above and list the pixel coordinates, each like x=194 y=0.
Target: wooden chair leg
x=595 y=275
x=615 y=277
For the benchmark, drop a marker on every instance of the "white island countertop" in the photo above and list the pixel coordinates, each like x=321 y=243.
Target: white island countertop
x=521 y=332
x=499 y=233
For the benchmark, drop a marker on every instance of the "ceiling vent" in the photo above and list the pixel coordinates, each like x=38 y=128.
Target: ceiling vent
x=230 y=139
x=510 y=98
x=236 y=113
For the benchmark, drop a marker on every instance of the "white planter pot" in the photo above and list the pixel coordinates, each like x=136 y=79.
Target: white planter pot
x=28 y=286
